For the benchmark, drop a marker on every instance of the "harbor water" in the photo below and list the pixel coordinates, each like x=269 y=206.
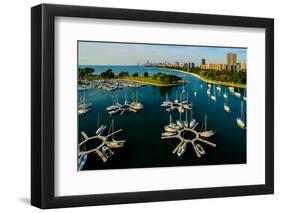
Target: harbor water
x=142 y=130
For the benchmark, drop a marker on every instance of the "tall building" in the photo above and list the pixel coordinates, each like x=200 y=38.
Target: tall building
x=231 y=59
x=203 y=62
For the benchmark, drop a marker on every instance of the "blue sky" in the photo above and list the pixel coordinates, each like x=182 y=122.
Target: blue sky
x=106 y=53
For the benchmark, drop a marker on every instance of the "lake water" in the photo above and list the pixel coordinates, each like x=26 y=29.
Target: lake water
x=142 y=130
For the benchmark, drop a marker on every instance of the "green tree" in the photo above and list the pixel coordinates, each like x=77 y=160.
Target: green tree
x=145 y=74
x=135 y=74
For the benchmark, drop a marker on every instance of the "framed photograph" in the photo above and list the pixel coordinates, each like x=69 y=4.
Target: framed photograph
x=139 y=106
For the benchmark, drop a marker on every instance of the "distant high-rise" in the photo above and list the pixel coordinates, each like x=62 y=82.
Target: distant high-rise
x=231 y=59
x=203 y=61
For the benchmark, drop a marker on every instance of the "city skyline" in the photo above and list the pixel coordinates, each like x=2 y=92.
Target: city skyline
x=109 y=53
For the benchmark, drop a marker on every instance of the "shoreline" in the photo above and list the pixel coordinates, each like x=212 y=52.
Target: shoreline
x=207 y=80
x=150 y=83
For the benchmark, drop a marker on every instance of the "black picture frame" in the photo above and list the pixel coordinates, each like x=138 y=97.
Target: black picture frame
x=43 y=102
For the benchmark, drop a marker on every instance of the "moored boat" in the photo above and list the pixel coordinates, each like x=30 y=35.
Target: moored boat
x=226 y=108
x=167 y=134
x=100 y=130
x=240 y=120
x=206 y=133
x=200 y=149
x=181 y=150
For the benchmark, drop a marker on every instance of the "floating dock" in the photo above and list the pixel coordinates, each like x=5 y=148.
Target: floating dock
x=103 y=150
x=184 y=141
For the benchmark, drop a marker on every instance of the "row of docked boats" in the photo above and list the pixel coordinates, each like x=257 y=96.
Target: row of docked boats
x=174 y=130
x=180 y=104
x=107 y=84
x=116 y=107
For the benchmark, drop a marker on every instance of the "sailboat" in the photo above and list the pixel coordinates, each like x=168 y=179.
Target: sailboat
x=225 y=95
x=179 y=122
x=200 y=149
x=192 y=123
x=171 y=127
x=240 y=121
x=167 y=134
x=209 y=91
x=195 y=91
x=126 y=101
x=209 y=85
x=185 y=123
x=176 y=100
x=218 y=88
x=166 y=102
x=226 y=107
x=115 y=143
x=100 y=128
x=237 y=94
x=245 y=97
x=113 y=106
x=231 y=89
x=206 y=133
x=181 y=149
x=183 y=90
x=83 y=108
x=82 y=160
x=136 y=105
x=213 y=97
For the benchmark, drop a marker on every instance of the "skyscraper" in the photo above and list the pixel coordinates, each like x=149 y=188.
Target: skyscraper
x=203 y=61
x=231 y=61
x=231 y=58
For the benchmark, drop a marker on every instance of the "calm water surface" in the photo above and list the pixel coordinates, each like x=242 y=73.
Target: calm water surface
x=142 y=130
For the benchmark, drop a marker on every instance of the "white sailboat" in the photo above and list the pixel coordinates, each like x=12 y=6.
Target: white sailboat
x=231 y=89
x=179 y=122
x=200 y=149
x=225 y=95
x=226 y=107
x=83 y=108
x=171 y=127
x=218 y=88
x=115 y=143
x=245 y=96
x=192 y=123
x=208 y=91
x=213 y=97
x=240 y=120
x=206 y=133
x=100 y=128
x=185 y=123
x=136 y=105
x=167 y=134
x=113 y=106
x=181 y=150
x=237 y=94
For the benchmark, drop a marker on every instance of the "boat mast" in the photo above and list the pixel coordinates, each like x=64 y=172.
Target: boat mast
x=98 y=121
x=170 y=119
x=205 y=122
x=242 y=113
x=112 y=129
